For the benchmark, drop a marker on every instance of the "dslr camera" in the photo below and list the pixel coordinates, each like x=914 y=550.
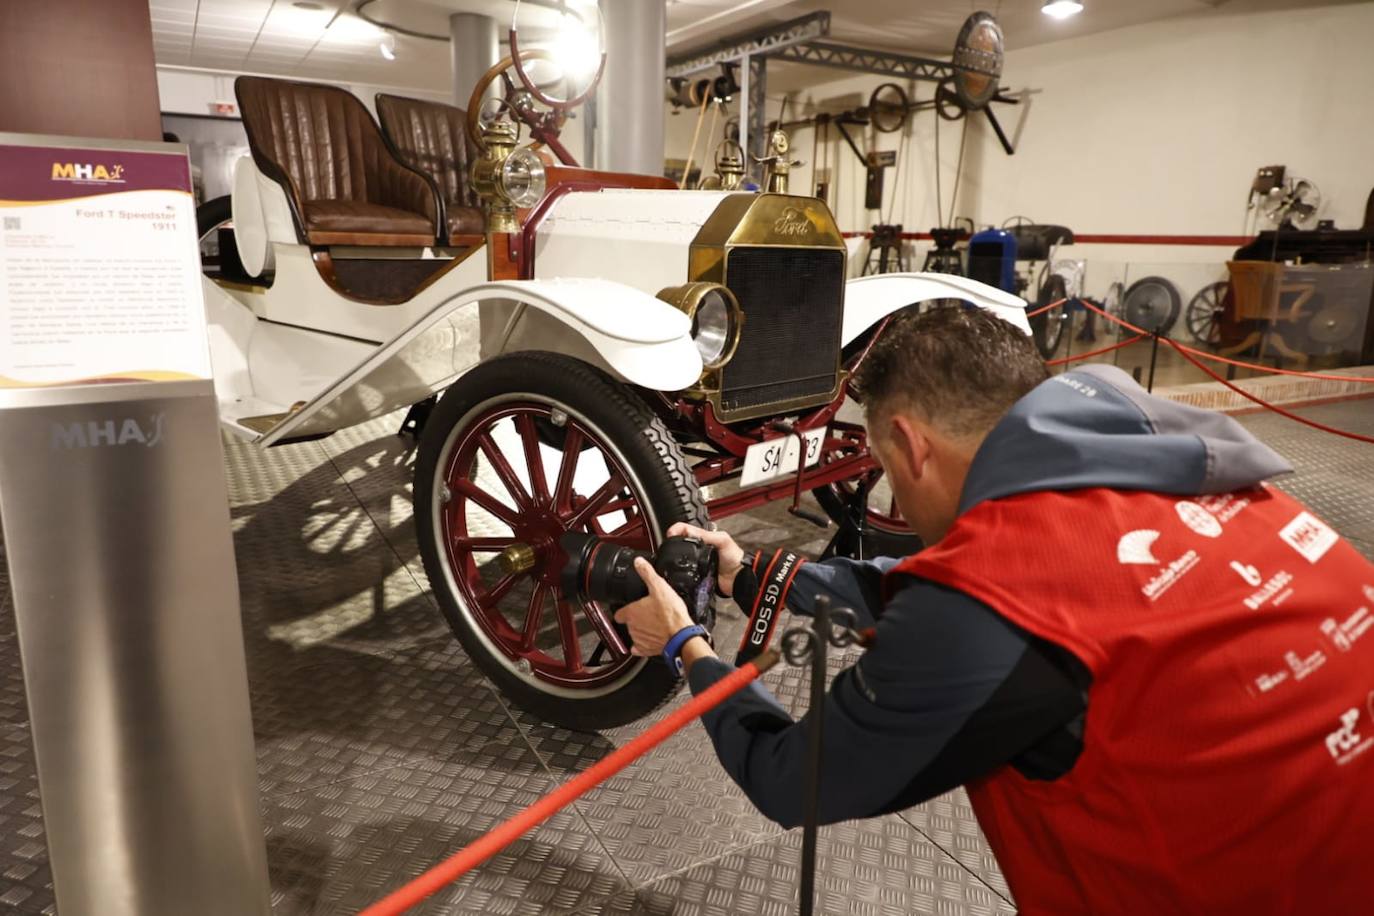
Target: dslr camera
x=598 y=570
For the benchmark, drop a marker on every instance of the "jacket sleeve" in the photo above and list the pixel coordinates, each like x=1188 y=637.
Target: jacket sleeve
x=938 y=658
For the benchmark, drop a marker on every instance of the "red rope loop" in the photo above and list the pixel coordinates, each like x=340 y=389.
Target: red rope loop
x=1183 y=351
x=501 y=836
x=1203 y=354
x=1045 y=308
x=1091 y=353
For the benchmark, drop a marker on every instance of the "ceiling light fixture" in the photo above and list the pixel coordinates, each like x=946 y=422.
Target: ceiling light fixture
x=1061 y=9
x=309 y=5
x=388 y=46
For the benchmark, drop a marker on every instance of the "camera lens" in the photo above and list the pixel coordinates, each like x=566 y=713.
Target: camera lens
x=601 y=571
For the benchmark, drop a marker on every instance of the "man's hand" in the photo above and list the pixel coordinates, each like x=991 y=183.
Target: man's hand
x=730 y=554
x=653 y=619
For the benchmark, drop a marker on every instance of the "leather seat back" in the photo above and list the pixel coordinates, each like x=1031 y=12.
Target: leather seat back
x=431 y=137
x=322 y=145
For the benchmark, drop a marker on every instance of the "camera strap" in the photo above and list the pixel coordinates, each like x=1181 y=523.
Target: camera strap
x=774 y=577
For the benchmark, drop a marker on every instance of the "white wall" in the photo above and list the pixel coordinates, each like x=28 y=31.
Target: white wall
x=1151 y=129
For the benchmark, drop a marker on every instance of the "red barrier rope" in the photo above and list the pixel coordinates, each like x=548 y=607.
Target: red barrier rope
x=1203 y=354
x=1091 y=353
x=488 y=845
x=1183 y=351
x=1045 y=308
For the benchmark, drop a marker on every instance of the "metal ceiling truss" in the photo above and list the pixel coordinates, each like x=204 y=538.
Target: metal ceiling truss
x=883 y=63
x=795 y=41
x=766 y=42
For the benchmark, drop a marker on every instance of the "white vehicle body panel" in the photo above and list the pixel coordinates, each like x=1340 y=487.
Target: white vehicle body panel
x=264 y=368
x=640 y=237
x=867 y=300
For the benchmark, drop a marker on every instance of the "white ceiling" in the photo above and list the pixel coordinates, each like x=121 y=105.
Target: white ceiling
x=332 y=43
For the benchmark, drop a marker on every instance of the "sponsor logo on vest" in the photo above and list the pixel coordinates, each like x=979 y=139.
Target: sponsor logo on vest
x=792 y=223
x=1267 y=682
x=1134 y=548
x=87 y=172
x=1345 y=633
x=1224 y=507
x=1167 y=577
x=102 y=433
x=1088 y=391
x=1199 y=519
x=1346 y=743
x=1303 y=665
x=1274 y=590
x=1248 y=573
x=1309 y=536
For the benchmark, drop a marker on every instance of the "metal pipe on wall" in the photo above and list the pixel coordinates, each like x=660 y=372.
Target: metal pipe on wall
x=473 y=47
x=629 y=126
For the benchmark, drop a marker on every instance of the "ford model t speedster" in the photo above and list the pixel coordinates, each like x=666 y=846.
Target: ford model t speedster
x=610 y=355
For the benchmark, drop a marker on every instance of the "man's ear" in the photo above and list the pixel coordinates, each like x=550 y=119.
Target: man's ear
x=909 y=443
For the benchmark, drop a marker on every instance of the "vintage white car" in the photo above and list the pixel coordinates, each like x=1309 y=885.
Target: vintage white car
x=610 y=355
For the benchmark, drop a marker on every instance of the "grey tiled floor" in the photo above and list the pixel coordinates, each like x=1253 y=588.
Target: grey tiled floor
x=380 y=748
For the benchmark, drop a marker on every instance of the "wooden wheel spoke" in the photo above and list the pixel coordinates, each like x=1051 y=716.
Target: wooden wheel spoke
x=492 y=596
x=487 y=501
x=567 y=631
x=630 y=534
x=534 y=459
x=489 y=545
x=502 y=467
x=534 y=615
x=567 y=468
x=596 y=505
x=605 y=629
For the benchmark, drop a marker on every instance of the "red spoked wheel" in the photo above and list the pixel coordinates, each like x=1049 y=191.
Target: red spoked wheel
x=885 y=531
x=520 y=451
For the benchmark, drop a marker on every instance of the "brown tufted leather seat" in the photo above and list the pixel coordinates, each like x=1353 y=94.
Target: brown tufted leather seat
x=430 y=137
x=342 y=182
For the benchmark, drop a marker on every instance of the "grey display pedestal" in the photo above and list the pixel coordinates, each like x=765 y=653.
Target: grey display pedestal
x=116 y=526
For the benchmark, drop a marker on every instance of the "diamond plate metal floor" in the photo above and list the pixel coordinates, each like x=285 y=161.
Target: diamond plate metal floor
x=380 y=748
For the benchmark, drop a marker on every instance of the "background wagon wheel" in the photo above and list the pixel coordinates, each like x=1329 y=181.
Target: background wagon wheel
x=1047 y=328
x=1203 y=316
x=1152 y=303
x=486 y=479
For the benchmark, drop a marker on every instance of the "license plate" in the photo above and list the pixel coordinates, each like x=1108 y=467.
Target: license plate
x=778 y=457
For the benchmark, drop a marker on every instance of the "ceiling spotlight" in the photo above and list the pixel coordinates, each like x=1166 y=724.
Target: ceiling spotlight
x=388 y=46
x=1061 y=9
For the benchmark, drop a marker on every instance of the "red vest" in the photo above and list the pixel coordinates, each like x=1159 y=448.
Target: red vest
x=1228 y=756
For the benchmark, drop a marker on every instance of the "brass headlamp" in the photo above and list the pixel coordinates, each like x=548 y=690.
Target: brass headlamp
x=716 y=319
x=505 y=177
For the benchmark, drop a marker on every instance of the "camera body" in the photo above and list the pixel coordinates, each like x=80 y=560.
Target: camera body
x=598 y=570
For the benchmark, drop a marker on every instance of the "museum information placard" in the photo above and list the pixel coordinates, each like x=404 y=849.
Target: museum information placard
x=99 y=267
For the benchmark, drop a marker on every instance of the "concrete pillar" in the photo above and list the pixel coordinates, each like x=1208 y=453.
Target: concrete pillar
x=629 y=111
x=474 y=47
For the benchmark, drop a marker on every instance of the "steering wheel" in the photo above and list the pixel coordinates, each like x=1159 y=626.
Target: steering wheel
x=524 y=101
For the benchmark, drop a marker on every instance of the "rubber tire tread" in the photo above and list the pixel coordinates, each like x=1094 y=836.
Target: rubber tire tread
x=654 y=457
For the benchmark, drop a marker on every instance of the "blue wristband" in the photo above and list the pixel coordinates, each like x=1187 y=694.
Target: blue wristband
x=672 y=649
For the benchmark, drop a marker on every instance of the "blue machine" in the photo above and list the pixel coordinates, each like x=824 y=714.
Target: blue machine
x=992 y=259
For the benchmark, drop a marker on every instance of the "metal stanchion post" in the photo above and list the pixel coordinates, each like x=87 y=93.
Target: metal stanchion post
x=1154 y=354
x=820 y=640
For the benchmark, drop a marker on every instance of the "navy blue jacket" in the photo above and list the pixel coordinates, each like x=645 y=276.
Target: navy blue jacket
x=950 y=690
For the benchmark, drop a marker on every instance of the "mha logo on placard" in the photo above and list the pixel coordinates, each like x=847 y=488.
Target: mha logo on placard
x=87 y=172
x=106 y=433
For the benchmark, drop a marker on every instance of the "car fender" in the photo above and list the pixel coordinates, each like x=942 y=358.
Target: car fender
x=633 y=335
x=868 y=300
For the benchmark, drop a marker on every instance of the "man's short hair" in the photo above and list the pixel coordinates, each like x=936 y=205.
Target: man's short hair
x=960 y=368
